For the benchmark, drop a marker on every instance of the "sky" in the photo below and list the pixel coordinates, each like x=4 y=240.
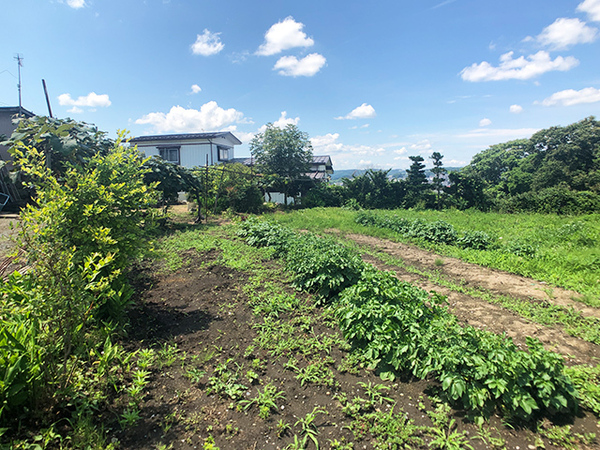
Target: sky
x=371 y=82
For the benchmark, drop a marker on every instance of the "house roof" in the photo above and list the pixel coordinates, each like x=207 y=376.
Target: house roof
x=188 y=136
x=15 y=110
x=324 y=159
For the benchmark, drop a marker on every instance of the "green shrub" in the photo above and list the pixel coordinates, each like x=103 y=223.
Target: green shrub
x=477 y=240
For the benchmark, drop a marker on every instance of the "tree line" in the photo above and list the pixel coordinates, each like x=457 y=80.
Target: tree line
x=557 y=170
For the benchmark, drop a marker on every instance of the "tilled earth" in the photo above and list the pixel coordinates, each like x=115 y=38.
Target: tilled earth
x=203 y=312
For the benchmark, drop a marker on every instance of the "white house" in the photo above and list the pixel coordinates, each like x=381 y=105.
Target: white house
x=191 y=149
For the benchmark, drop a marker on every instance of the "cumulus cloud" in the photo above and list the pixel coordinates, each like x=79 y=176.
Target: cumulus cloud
x=283 y=36
x=207 y=44
x=329 y=144
x=75 y=110
x=282 y=122
x=76 y=4
x=92 y=100
x=485 y=122
x=591 y=8
x=210 y=117
x=564 y=33
x=516 y=109
x=308 y=66
x=570 y=97
x=518 y=69
x=196 y=89
x=363 y=111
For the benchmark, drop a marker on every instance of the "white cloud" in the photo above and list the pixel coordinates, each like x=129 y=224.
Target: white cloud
x=283 y=36
x=207 y=44
x=282 y=122
x=363 y=111
x=92 y=100
x=564 y=33
x=592 y=8
x=306 y=67
x=516 y=109
x=210 y=117
x=328 y=144
x=76 y=4
x=75 y=110
x=485 y=122
x=356 y=127
x=518 y=69
x=570 y=97
x=498 y=133
x=196 y=89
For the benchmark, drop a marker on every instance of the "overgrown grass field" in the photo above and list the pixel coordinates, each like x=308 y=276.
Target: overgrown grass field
x=560 y=250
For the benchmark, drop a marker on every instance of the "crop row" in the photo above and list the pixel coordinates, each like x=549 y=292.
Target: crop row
x=401 y=329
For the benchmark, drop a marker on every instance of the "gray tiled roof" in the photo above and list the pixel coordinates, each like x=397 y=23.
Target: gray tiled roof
x=186 y=136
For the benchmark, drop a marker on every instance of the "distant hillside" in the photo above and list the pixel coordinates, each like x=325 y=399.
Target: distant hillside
x=394 y=173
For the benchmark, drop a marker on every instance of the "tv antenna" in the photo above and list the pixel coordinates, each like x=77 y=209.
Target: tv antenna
x=19 y=59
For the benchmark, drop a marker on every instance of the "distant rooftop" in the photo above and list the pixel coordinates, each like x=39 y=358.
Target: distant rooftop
x=12 y=110
x=187 y=136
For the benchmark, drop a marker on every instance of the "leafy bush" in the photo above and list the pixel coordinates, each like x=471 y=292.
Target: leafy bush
x=322 y=265
x=477 y=240
x=478 y=370
x=78 y=238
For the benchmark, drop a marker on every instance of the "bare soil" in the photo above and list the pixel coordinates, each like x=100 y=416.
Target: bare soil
x=202 y=307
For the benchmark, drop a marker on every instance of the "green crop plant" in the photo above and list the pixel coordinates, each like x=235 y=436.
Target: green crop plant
x=404 y=329
x=265 y=400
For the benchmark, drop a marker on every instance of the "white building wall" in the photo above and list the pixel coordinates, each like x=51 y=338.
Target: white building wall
x=191 y=154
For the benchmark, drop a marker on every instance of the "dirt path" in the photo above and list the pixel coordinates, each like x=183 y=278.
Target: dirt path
x=481 y=314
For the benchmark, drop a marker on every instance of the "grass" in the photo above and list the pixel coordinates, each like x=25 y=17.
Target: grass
x=563 y=250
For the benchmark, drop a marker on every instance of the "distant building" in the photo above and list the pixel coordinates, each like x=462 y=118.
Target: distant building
x=321 y=169
x=7 y=114
x=8 y=191
x=190 y=149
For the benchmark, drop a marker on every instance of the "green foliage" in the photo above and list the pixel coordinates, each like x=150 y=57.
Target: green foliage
x=557 y=170
x=63 y=142
x=322 y=266
x=79 y=239
x=283 y=153
x=401 y=329
x=586 y=380
x=480 y=371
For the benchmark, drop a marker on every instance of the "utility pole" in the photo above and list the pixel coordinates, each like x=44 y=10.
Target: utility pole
x=47 y=98
x=19 y=59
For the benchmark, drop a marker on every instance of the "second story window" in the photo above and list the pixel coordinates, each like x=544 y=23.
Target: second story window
x=170 y=154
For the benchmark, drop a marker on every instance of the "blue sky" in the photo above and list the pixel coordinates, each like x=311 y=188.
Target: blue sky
x=370 y=82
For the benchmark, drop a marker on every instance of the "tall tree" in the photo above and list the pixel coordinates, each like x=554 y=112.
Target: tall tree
x=438 y=176
x=284 y=152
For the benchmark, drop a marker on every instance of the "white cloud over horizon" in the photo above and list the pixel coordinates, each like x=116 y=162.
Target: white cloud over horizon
x=92 y=100
x=591 y=8
x=284 y=35
x=207 y=44
x=570 y=97
x=518 y=69
x=564 y=33
x=308 y=66
x=498 y=133
x=210 y=117
x=516 y=109
x=363 y=111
